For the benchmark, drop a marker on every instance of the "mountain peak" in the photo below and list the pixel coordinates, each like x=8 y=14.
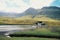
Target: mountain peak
x=30 y=11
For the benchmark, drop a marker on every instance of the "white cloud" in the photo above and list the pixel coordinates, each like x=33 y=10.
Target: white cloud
x=40 y=3
x=20 y=5
x=13 y=6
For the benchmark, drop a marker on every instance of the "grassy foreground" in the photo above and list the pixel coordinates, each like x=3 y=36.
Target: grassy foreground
x=40 y=31
x=26 y=38
x=37 y=32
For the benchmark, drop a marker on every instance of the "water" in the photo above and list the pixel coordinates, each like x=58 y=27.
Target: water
x=12 y=28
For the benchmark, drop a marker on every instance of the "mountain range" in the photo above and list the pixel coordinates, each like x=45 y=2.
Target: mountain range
x=51 y=12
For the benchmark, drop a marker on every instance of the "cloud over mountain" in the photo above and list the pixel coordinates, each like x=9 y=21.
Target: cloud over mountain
x=19 y=6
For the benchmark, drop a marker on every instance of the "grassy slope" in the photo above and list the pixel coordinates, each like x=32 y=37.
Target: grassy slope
x=26 y=38
x=28 y=20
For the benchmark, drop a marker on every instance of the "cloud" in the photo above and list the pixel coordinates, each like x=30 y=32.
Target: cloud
x=13 y=6
x=40 y=3
x=22 y=5
x=26 y=1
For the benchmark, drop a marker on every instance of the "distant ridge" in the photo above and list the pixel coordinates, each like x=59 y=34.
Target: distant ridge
x=51 y=12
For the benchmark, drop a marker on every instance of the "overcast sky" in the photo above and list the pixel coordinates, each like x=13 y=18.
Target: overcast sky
x=19 y=6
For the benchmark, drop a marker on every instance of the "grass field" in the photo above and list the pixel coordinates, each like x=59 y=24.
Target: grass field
x=40 y=31
x=26 y=38
x=29 y=20
x=53 y=28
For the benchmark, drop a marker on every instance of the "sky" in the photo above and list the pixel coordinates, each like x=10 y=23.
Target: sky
x=56 y=3
x=19 y=6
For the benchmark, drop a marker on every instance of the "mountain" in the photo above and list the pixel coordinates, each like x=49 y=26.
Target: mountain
x=51 y=12
x=5 y=14
x=30 y=11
